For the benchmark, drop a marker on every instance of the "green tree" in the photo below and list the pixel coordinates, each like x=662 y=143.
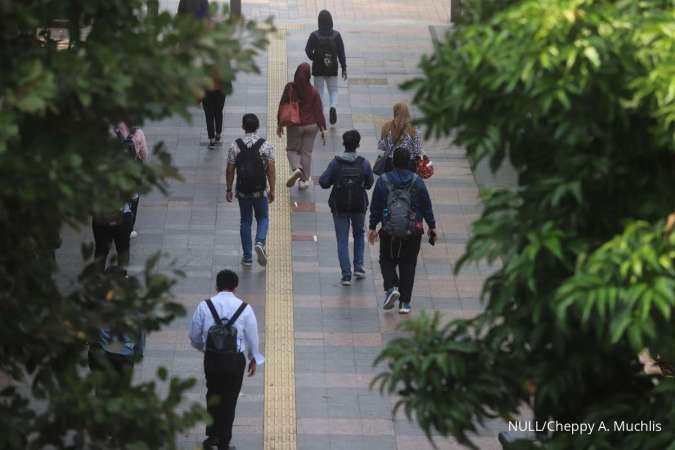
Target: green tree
x=578 y=95
x=58 y=164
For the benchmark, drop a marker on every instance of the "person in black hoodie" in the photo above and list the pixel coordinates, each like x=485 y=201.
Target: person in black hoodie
x=325 y=48
x=350 y=176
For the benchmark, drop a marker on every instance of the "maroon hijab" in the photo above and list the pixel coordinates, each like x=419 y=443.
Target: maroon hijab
x=311 y=110
x=301 y=87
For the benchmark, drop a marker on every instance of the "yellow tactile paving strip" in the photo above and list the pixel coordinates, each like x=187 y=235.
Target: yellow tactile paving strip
x=279 y=421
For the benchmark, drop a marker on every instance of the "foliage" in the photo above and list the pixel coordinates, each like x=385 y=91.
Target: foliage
x=58 y=164
x=578 y=96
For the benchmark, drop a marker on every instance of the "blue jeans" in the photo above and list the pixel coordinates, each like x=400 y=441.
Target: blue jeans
x=246 y=208
x=342 y=222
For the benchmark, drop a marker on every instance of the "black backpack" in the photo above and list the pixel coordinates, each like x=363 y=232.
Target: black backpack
x=349 y=191
x=325 y=55
x=251 y=176
x=221 y=341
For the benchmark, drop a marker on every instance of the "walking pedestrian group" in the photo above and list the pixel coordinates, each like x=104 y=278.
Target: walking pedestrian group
x=224 y=327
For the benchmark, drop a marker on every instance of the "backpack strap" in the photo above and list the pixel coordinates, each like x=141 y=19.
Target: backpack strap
x=237 y=313
x=258 y=145
x=240 y=144
x=212 y=308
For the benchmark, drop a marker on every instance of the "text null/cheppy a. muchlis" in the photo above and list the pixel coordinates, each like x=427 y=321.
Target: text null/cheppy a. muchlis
x=553 y=426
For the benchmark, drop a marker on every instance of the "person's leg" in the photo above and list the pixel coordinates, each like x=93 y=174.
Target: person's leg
x=388 y=262
x=216 y=390
x=309 y=133
x=261 y=207
x=209 y=108
x=293 y=143
x=122 y=236
x=230 y=396
x=218 y=113
x=358 y=232
x=332 y=83
x=407 y=265
x=319 y=83
x=246 y=213
x=341 y=222
x=103 y=238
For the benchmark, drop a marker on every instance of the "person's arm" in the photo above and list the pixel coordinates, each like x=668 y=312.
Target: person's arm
x=310 y=47
x=229 y=179
x=382 y=142
x=230 y=170
x=271 y=178
x=251 y=337
x=417 y=143
x=341 y=54
x=377 y=204
x=326 y=179
x=425 y=203
x=318 y=109
x=196 y=329
x=368 y=171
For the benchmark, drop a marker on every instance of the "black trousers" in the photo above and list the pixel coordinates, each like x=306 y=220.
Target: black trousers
x=105 y=235
x=213 y=104
x=399 y=254
x=222 y=393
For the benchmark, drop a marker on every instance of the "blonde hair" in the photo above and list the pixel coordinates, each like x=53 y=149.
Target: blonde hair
x=400 y=125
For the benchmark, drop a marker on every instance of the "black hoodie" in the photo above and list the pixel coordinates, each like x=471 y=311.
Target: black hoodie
x=325 y=29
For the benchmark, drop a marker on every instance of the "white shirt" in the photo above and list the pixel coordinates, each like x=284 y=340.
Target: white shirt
x=226 y=304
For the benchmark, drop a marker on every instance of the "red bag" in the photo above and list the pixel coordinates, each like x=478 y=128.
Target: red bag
x=425 y=167
x=289 y=113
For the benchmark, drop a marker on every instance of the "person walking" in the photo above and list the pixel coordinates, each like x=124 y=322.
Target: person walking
x=197 y=8
x=325 y=48
x=118 y=353
x=350 y=176
x=251 y=158
x=213 y=103
x=137 y=147
x=113 y=226
x=300 y=137
x=399 y=204
x=225 y=329
x=400 y=133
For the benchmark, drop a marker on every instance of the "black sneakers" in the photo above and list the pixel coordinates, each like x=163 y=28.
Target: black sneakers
x=333 y=116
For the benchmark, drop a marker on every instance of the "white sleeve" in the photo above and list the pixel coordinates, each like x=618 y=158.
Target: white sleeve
x=251 y=337
x=196 y=329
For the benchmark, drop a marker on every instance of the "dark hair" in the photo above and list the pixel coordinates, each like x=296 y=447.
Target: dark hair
x=401 y=158
x=250 y=123
x=226 y=280
x=351 y=140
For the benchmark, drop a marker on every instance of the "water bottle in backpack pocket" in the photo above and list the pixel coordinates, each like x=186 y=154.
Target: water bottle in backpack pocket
x=222 y=345
x=400 y=218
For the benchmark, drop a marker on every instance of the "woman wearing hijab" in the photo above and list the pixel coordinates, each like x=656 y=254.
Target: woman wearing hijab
x=400 y=132
x=325 y=48
x=300 y=138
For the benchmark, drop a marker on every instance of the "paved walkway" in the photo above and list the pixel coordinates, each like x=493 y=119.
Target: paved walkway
x=335 y=332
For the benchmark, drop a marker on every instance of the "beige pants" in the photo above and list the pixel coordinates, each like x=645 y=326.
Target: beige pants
x=299 y=146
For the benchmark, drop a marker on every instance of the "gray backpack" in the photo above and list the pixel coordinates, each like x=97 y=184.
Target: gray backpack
x=399 y=219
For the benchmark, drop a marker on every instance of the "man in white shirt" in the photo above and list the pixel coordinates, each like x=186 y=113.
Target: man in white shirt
x=223 y=386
